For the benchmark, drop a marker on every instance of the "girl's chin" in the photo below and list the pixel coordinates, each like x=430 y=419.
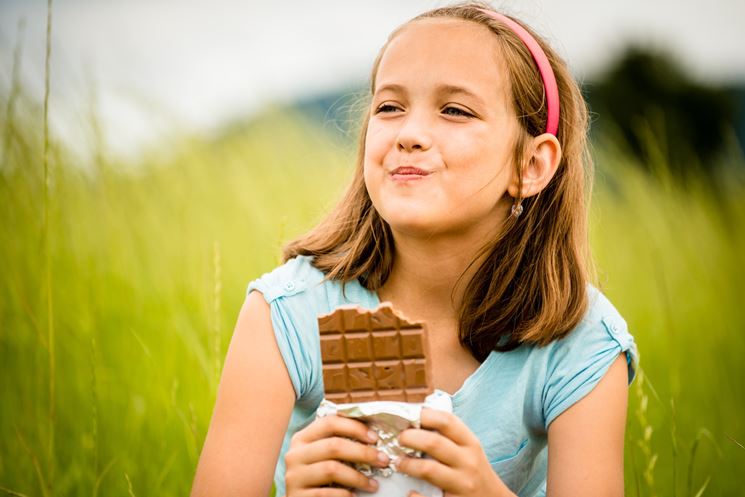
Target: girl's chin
x=413 y=217
x=413 y=226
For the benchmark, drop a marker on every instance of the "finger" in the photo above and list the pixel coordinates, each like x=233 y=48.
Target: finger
x=429 y=470
x=449 y=425
x=327 y=472
x=341 y=449
x=329 y=426
x=325 y=492
x=433 y=444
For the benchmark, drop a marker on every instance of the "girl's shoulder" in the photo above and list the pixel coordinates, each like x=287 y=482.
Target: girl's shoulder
x=299 y=282
x=601 y=328
x=296 y=296
x=291 y=278
x=576 y=363
x=603 y=322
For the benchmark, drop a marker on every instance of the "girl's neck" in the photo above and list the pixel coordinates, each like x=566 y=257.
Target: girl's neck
x=429 y=276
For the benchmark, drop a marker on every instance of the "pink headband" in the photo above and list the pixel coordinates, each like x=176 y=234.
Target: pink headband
x=544 y=67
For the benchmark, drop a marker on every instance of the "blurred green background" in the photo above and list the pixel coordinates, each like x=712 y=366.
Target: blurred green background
x=122 y=279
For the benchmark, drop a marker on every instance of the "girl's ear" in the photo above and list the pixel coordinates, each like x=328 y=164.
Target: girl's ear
x=542 y=160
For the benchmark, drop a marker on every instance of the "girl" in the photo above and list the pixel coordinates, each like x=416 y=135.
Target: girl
x=467 y=211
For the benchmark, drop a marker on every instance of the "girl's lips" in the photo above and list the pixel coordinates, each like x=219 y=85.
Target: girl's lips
x=408 y=173
x=410 y=170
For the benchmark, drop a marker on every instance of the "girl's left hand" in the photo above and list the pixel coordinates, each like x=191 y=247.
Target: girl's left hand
x=459 y=465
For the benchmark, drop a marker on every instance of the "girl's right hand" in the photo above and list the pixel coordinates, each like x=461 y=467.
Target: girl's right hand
x=315 y=454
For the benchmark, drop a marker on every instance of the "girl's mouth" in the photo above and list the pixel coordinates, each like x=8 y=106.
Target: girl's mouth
x=408 y=173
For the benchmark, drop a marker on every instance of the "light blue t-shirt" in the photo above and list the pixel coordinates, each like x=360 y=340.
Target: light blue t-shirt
x=508 y=402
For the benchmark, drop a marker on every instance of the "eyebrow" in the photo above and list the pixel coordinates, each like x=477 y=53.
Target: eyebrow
x=443 y=89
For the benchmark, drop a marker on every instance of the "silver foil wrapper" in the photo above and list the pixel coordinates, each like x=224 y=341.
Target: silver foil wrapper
x=388 y=420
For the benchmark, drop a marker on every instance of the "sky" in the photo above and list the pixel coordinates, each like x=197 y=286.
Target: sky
x=149 y=67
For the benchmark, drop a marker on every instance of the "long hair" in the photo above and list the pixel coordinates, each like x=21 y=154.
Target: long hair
x=531 y=284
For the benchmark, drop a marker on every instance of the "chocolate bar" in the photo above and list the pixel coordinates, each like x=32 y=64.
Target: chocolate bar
x=373 y=355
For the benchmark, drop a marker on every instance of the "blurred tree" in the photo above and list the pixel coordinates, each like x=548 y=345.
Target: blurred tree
x=666 y=118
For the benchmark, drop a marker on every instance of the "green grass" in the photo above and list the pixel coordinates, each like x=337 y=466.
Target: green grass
x=148 y=267
x=673 y=261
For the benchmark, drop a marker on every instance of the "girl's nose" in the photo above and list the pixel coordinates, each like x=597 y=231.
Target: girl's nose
x=414 y=134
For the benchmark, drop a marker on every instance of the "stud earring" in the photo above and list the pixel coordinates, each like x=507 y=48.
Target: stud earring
x=516 y=210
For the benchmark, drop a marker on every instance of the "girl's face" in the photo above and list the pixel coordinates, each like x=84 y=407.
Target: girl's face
x=438 y=151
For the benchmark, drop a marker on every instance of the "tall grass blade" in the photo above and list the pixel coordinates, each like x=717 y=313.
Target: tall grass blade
x=702 y=434
x=35 y=461
x=735 y=441
x=129 y=486
x=8 y=491
x=703 y=488
x=48 y=253
x=15 y=91
x=216 y=307
x=94 y=413
x=674 y=437
x=101 y=476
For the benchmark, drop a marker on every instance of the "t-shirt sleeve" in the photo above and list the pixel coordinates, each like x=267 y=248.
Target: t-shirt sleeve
x=580 y=360
x=293 y=320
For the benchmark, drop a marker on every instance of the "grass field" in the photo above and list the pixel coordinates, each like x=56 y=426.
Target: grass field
x=115 y=312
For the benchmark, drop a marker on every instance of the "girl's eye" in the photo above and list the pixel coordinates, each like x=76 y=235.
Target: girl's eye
x=386 y=108
x=458 y=112
x=450 y=110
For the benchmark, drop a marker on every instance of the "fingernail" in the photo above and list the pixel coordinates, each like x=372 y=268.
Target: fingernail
x=383 y=458
x=373 y=483
x=372 y=436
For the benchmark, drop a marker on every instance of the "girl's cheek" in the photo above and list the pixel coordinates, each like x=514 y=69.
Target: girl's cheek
x=380 y=134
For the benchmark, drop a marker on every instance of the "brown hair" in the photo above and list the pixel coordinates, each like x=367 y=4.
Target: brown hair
x=531 y=285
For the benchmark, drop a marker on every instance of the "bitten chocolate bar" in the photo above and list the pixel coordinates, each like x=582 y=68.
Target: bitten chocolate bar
x=374 y=355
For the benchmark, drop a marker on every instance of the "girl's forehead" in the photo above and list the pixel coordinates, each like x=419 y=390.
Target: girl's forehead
x=445 y=25
x=437 y=50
